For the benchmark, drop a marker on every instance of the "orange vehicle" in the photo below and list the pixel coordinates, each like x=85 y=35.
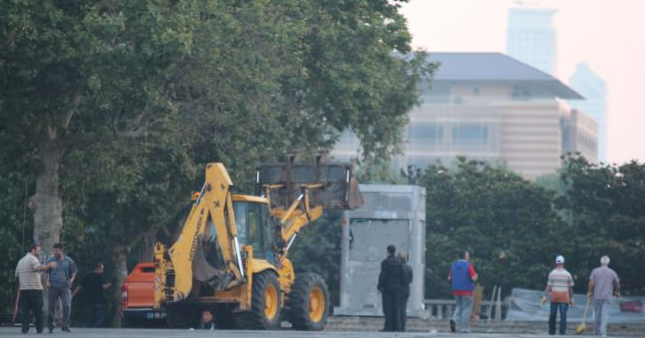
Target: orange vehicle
x=137 y=298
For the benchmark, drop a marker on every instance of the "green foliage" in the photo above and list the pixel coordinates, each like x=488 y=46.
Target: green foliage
x=504 y=221
x=604 y=206
x=132 y=99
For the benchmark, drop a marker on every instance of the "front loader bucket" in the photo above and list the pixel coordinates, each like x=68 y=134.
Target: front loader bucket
x=339 y=189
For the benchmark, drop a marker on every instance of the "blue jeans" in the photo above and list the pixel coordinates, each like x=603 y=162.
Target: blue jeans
x=563 y=317
x=65 y=295
x=96 y=315
x=601 y=315
x=462 y=312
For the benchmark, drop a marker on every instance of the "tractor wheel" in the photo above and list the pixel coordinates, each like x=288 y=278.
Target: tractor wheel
x=308 y=302
x=265 y=304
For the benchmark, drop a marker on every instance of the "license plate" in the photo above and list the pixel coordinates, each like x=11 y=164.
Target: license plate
x=155 y=315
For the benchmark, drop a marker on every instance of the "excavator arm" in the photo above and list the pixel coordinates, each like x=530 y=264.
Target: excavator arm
x=210 y=223
x=299 y=193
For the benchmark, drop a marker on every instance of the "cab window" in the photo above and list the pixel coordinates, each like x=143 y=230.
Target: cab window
x=254 y=227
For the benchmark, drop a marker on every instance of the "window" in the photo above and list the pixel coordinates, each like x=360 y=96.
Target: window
x=255 y=228
x=240 y=210
x=470 y=135
x=437 y=93
x=424 y=135
x=254 y=233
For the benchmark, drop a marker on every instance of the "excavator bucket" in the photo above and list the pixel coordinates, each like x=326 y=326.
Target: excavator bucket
x=338 y=189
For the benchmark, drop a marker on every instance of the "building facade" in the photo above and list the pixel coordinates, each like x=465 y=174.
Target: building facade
x=594 y=89
x=531 y=37
x=491 y=107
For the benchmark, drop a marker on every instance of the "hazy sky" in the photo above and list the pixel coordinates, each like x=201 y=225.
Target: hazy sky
x=609 y=35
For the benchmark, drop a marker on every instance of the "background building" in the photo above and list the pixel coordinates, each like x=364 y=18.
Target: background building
x=531 y=37
x=594 y=89
x=491 y=107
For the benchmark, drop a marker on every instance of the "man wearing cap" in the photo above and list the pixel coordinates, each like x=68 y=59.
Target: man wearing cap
x=560 y=286
x=602 y=283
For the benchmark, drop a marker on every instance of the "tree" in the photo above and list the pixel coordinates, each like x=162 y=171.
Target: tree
x=75 y=73
x=505 y=222
x=113 y=108
x=604 y=209
x=84 y=73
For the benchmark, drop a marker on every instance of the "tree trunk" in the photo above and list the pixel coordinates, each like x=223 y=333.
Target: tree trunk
x=47 y=202
x=119 y=255
x=146 y=252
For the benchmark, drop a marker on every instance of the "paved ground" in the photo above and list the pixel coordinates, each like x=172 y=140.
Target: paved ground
x=162 y=333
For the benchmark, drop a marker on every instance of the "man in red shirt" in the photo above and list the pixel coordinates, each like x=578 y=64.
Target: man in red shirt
x=462 y=275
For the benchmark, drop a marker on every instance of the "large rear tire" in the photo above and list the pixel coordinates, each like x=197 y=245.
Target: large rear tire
x=309 y=302
x=266 y=304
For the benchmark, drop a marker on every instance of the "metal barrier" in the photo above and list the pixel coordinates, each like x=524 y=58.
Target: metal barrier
x=444 y=308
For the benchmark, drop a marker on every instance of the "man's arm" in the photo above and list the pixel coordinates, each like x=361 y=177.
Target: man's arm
x=36 y=266
x=48 y=266
x=547 y=290
x=76 y=290
x=590 y=288
x=449 y=275
x=571 y=284
x=381 y=276
x=72 y=272
x=472 y=273
x=617 y=285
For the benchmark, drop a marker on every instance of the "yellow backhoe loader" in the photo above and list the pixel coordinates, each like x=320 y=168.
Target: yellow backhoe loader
x=231 y=257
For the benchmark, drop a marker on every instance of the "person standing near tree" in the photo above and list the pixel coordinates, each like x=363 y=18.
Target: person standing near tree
x=560 y=287
x=31 y=289
x=602 y=283
x=390 y=283
x=405 y=290
x=462 y=276
x=59 y=281
x=94 y=285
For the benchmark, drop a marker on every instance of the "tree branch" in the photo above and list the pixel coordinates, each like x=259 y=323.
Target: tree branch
x=70 y=113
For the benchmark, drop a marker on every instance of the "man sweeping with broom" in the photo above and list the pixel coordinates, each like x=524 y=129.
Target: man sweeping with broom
x=602 y=282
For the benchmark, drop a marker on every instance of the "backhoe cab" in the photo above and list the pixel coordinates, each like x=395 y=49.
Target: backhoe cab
x=231 y=256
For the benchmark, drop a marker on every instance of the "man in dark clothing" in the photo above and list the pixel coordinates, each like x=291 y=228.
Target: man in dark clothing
x=93 y=284
x=405 y=291
x=390 y=282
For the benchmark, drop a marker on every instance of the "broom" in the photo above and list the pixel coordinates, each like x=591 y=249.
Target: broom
x=581 y=328
x=15 y=306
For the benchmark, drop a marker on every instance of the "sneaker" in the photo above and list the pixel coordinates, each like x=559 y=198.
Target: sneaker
x=453 y=326
x=66 y=329
x=51 y=330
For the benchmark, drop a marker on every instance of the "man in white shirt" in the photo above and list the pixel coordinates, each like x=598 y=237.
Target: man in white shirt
x=31 y=289
x=560 y=287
